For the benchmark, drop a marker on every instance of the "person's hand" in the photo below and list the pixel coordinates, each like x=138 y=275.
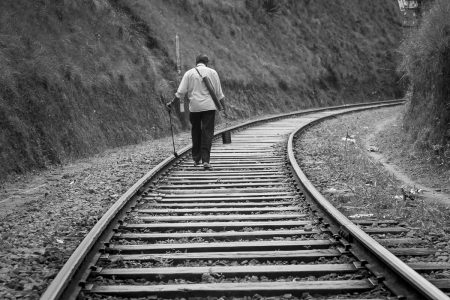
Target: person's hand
x=170 y=103
x=223 y=114
x=224 y=111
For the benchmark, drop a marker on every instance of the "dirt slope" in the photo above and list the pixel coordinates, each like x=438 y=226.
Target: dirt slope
x=78 y=77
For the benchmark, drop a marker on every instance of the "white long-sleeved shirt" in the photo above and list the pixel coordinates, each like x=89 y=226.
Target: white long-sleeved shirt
x=199 y=97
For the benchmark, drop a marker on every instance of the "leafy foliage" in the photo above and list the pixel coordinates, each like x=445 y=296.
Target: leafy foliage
x=426 y=62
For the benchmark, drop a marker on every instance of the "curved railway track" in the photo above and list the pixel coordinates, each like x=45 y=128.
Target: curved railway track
x=252 y=225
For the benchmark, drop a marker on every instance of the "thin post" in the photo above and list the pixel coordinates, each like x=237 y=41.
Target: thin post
x=171 y=130
x=177 y=49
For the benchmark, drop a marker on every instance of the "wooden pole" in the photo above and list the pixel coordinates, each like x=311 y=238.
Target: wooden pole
x=177 y=45
x=182 y=108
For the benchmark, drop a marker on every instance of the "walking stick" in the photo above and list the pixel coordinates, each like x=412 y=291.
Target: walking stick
x=171 y=130
x=169 y=109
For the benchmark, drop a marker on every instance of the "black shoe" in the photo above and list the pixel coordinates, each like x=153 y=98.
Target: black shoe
x=207 y=166
x=197 y=164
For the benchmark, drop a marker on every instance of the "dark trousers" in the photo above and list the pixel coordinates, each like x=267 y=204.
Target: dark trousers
x=202 y=134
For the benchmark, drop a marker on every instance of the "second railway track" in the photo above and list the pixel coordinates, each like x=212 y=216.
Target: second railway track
x=247 y=227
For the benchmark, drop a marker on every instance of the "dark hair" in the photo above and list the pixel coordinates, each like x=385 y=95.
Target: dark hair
x=201 y=58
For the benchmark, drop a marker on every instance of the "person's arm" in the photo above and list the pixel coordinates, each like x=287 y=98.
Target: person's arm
x=182 y=89
x=218 y=89
x=179 y=95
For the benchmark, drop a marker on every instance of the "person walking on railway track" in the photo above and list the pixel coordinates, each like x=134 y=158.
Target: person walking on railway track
x=202 y=86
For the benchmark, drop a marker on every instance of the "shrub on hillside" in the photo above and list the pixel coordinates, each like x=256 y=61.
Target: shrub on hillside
x=426 y=62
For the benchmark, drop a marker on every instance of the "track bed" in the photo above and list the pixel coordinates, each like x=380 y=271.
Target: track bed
x=242 y=229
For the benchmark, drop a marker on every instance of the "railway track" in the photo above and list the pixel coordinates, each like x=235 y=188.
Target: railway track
x=253 y=225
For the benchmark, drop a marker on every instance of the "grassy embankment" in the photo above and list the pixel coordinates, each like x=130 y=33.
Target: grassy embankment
x=426 y=62
x=78 y=77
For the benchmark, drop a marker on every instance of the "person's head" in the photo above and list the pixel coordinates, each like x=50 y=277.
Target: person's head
x=202 y=59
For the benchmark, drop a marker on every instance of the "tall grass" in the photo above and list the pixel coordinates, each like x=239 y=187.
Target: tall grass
x=426 y=63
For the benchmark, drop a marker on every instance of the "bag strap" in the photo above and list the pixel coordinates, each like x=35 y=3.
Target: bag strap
x=199 y=73
x=211 y=91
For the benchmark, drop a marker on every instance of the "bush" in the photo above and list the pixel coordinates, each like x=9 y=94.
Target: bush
x=426 y=64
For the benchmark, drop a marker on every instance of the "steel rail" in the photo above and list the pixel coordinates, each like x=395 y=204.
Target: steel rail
x=421 y=286
x=69 y=280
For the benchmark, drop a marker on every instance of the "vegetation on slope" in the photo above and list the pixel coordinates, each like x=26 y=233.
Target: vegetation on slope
x=426 y=62
x=75 y=77
x=78 y=77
